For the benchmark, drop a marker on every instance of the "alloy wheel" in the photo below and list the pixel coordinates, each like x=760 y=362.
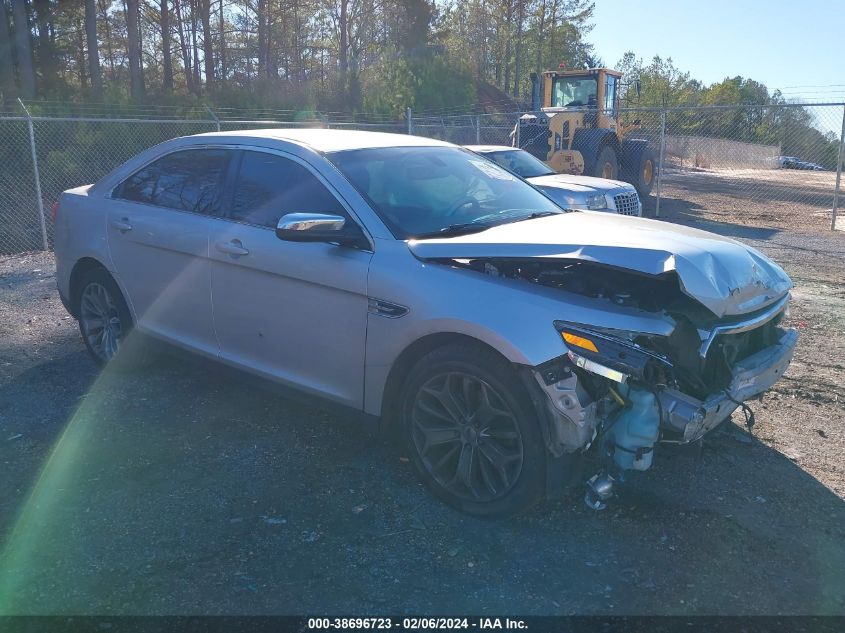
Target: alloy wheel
x=467 y=436
x=100 y=321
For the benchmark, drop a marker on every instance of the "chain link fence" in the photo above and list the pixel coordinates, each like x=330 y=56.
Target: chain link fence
x=20 y=221
x=775 y=166
x=479 y=129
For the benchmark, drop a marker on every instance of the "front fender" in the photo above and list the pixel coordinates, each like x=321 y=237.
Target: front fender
x=515 y=318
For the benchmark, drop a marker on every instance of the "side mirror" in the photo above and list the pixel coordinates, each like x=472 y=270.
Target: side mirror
x=316 y=227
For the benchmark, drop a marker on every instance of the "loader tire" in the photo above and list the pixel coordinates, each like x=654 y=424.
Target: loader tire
x=607 y=164
x=643 y=172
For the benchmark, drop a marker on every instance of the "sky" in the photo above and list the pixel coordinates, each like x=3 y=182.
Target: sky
x=796 y=46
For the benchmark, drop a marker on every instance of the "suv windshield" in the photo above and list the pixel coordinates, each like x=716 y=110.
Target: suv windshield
x=425 y=191
x=574 y=91
x=519 y=162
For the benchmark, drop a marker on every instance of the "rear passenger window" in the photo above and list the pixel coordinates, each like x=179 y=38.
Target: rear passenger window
x=186 y=181
x=270 y=186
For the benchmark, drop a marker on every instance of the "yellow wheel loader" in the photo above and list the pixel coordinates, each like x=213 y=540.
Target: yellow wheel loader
x=578 y=130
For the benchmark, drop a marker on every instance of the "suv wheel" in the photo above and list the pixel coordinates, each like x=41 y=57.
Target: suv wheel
x=472 y=431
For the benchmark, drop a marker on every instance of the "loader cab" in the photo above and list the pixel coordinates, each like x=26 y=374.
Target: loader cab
x=594 y=89
x=575 y=92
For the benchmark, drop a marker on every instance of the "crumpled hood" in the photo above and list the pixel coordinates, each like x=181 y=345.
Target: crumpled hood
x=727 y=277
x=585 y=184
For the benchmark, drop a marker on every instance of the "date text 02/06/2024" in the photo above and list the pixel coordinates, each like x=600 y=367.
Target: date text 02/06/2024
x=413 y=624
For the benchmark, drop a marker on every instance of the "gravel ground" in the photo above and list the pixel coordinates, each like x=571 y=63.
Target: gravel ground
x=190 y=490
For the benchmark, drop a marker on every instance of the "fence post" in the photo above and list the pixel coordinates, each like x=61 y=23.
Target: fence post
x=44 y=242
x=409 y=119
x=213 y=116
x=838 y=173
x=518 y=133
x=478 y=130
x=660 y=159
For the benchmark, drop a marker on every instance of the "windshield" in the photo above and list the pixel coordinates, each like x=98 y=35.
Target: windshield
x=423 y=191
x=574 y=91
x=519 y=162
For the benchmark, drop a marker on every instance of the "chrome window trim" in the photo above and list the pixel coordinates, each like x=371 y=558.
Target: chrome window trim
x=744 y=325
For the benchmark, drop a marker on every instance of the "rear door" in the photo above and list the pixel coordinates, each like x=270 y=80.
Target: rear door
x=294 y=312
x=158 y=228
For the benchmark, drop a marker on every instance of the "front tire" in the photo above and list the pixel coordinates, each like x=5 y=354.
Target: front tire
x=472 y=431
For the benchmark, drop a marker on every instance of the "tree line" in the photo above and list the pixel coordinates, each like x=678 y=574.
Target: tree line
x=351 y=56
x=335 y=55
x=763 y=117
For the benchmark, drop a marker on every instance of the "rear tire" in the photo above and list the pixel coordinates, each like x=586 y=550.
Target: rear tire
x=472 y=432
x=643 y=172
x=105 y=323
x=607 y=164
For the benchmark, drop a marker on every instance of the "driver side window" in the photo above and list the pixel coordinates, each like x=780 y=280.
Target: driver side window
x=268 y=186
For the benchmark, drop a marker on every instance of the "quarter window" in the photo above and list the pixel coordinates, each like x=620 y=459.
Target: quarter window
x=269 y=186
x=188 y=180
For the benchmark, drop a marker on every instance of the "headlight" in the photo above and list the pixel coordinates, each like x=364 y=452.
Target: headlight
x=613 y=356
x=597 y=201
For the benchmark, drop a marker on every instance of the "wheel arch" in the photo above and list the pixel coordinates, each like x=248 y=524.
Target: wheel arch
x=409 y=356
x=80 y=269
x=561 y=470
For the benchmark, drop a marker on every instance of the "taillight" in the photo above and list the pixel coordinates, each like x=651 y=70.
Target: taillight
x=54 y=210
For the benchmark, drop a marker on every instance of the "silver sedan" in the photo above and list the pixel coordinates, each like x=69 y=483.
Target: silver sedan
x=430 y=291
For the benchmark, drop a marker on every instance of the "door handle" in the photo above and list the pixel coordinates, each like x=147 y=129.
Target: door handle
x=122 y=225
x=234 y=248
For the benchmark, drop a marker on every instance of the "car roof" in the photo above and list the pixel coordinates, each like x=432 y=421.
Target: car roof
x=323 y=140
x=481 y=149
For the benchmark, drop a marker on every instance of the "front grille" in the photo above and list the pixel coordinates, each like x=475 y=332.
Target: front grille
x=627 y=203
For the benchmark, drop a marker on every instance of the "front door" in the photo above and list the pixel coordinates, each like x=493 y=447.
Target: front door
x=294 y=312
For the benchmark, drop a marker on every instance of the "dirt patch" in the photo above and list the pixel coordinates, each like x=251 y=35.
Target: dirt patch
x=782 y=199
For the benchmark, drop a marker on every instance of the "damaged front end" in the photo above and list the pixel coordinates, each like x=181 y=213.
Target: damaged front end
x=628 y=399
x=621 y=393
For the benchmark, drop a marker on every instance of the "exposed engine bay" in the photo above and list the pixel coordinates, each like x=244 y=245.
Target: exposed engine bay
x=620 y=394
x=619 y=286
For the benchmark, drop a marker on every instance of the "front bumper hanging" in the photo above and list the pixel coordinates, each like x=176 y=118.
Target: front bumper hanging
x=693 y=418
